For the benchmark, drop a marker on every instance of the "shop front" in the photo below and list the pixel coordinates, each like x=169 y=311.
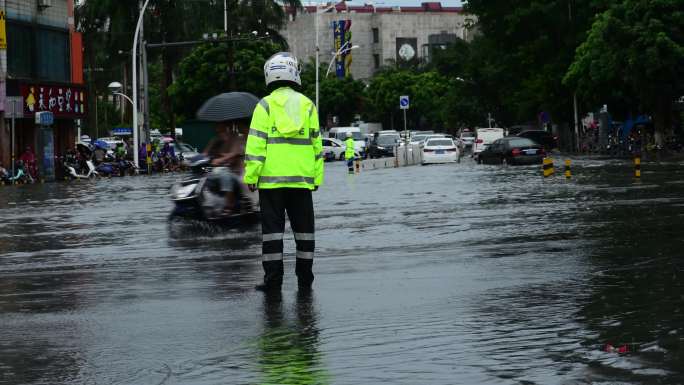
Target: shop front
x=49 y=139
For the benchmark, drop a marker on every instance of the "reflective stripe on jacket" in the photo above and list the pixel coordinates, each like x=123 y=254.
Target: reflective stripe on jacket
x=284 y=146
x=349 y=152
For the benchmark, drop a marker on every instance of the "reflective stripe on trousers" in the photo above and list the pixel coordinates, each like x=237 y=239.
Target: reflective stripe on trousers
x=298 y=204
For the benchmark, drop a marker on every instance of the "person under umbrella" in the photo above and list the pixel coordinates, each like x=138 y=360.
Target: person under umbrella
x=231 y=112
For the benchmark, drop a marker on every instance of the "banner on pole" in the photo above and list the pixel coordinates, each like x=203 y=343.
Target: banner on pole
x=3 y=30
x=342 y=38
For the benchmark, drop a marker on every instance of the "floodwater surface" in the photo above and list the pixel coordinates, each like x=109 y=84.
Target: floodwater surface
x=424 y=275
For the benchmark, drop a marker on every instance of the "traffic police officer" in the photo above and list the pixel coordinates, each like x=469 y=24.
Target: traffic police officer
x=284 y=161
x=349 y=152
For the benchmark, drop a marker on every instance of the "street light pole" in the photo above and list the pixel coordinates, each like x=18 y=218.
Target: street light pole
x=124 y=96
x=318 y=48
x=341 y=51
x=225 y=16
x=135 y=83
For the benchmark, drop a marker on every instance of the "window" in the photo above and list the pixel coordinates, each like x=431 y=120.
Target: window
x=19 y=50
x=388 y=140
x=53 y=55
x=522 y=142
x=376 y=35
x=376 y=61
x=38 y=53
x=439 y=142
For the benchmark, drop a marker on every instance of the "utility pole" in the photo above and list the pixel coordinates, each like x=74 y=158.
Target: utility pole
x=576 y=116
x=146 y=95
x=122 y=105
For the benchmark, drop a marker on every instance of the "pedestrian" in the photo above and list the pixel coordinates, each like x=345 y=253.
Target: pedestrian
x=284 y=161
x=4 y=174
x=349 y=152
x=28 y=159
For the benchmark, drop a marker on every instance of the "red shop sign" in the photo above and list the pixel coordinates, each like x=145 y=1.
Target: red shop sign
x=62 y=101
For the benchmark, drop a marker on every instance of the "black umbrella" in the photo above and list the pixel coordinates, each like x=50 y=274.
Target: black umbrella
x=228 y=106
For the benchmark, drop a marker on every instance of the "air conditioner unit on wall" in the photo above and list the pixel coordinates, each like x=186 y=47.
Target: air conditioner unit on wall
x=42 y=4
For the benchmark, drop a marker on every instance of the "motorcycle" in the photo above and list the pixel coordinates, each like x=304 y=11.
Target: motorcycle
x=21 y=176
x=79 y=170
x=200 y=197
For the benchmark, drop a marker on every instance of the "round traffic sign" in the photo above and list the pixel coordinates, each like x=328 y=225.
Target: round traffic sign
x=404 y=101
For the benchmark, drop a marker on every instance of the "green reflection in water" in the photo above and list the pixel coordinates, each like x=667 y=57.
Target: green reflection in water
x=288 y=349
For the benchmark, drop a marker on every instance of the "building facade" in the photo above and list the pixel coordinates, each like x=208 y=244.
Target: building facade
x=42 y=71
x=384 y=35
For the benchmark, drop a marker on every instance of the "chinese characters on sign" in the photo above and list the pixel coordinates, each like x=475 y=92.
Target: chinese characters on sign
x=62 y=101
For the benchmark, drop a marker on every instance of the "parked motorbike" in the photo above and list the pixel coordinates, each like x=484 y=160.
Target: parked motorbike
x=75 y=169
x=199 y=197
x=21 y=175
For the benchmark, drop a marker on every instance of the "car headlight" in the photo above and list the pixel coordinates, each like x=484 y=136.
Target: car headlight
x=381 y=148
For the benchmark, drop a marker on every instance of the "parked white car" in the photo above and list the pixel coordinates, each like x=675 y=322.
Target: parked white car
x=467 y=137
x=333 y=148
x=484 y=137
x=439 y=150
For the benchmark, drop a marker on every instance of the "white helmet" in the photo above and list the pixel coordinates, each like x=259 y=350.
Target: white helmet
x=349 y=134
x=282 y=66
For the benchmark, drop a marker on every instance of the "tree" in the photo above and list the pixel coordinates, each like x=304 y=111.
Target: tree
x=635 y=47
x=205 y=73
x=342 y=98
x=525 y=51
x=426 y=91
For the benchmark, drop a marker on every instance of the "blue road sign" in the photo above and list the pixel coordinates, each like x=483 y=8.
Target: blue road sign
x=45 y=118
x=404 y=102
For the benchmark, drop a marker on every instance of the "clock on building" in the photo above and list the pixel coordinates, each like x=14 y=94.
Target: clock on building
x=406 y=52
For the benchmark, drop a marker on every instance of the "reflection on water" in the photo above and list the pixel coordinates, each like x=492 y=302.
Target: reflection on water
x=288 y=349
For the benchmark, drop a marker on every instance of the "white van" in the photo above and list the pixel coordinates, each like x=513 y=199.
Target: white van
x=359 y=139
x=484 y=137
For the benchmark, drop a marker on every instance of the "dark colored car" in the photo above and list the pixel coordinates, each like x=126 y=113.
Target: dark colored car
x=512 y=150
x=542 y=137
x=384 y=145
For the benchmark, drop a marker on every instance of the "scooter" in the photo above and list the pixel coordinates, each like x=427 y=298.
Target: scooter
x=71 y=169
x=199 y=198
x=21 y=176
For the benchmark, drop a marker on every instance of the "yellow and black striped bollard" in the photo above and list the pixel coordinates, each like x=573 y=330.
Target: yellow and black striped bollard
x=547 y=167
x=568 y=172
x=637 y=167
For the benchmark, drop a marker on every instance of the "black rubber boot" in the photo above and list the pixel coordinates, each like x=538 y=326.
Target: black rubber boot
x=273 y=276
x=305 y=276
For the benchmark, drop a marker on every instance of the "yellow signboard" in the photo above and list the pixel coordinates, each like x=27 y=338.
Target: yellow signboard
x=3 y=31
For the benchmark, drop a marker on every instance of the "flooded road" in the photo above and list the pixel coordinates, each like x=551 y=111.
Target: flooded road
x=424 y=275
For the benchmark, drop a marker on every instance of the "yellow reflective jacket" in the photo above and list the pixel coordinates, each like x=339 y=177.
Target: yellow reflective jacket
x=284 y=146
x=349 y=151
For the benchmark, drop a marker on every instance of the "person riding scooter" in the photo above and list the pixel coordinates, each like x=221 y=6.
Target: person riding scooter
x=226 y=152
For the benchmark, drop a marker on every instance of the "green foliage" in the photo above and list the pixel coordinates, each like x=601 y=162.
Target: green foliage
x=108 y=27
x=337 y=97
x=426 y=91
x=526 y=47
x=204 y=73
x=635 y=47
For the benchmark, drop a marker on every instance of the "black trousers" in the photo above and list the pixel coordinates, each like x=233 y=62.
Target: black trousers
x=298 y=204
